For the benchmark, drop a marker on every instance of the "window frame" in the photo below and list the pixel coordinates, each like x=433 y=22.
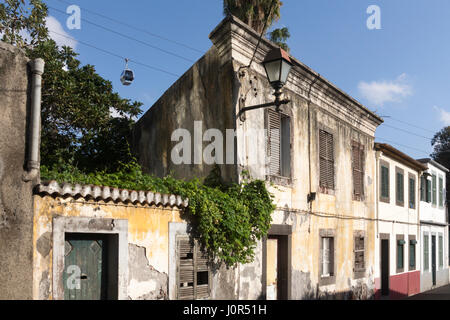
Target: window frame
x=331 y=279
x=400 y=243
x=359 y=273
x=279 y=178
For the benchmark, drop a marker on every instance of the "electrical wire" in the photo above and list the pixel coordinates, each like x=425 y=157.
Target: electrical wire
x=402 y=145
x=134 y=27
x=406 y=131
x=409 y=124
x=128 y=37
x=116 y=55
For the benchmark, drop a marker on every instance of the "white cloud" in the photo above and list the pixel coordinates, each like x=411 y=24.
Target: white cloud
x=61 y=37
x=378 y=93
x=444 y=116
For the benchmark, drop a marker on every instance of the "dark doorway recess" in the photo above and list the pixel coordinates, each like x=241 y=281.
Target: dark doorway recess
x=282 y=234
x=385 y=274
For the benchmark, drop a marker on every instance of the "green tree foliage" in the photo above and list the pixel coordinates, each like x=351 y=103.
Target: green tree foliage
x=441 y=153
x=280 y=37
x=228 y=219
x=254 y=12
x=77 y=103
x=22 y=26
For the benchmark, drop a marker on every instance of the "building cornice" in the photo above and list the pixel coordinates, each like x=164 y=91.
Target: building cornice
x=399 y=156
x=236 y=41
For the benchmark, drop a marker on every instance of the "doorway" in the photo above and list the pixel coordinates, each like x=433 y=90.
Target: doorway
x=277 y=263
x=90 y=267
x=385 y=267
x=433 y=259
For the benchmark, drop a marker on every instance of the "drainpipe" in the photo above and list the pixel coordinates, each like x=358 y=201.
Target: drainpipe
x=377 y=190
x=33 y=164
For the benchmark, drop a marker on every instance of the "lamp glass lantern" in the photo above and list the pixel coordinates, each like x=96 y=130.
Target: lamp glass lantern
x=278 y=65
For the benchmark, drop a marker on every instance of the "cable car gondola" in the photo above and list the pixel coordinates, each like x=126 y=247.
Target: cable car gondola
x=127 y=76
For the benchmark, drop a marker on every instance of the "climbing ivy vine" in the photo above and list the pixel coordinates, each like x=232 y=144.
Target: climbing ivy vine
x=228 y=219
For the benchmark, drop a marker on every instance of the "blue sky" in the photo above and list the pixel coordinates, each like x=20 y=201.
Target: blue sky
x=401 y=71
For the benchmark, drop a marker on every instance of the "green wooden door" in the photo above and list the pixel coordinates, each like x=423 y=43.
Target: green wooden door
x=84 y=269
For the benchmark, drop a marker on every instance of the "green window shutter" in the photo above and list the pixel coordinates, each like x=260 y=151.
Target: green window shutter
x=426 y=257
x=428 y=191
x=400 y=256
x=434 y=190
x=412 y=255
x=441 y=251
x=412 y=193
x=423 y=189
x=384 y=182
x=400 y=188
x=441 y=192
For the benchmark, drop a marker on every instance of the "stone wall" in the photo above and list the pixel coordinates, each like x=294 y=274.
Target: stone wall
x=16 y=211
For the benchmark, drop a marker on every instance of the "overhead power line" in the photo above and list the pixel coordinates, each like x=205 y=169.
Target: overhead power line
x=406 y=131
x=116 y=55
x=402 y=145
x=128 y=37
x=409 y=124
x=135 y=27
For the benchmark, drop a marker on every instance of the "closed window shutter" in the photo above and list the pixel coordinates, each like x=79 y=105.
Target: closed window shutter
x=400 y=256
x=384 y=182
x=193 y=271
x=428 y=191
x=441 y=192
x=400 y=188
x=412 y=255
x=359 y=253
x=441 y=251
x=412 y=193
x=358 y=171
x=326 y=156
x=185 y=269
x=423 y=189
x=434 y=190
x=426 y=258
x=274 y=145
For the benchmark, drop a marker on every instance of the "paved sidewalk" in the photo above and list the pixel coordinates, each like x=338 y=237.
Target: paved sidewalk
x=442 y=293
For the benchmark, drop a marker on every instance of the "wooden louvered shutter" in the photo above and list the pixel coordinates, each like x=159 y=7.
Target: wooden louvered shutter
x=358 y=171
x=185 y=269
x=326 y=158
x=202 y=276
x=193 y=271
x=274 y=143
x=423 y=189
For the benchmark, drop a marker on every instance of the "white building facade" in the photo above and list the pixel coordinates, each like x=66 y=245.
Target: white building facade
x=433 y=227
x=397 y=245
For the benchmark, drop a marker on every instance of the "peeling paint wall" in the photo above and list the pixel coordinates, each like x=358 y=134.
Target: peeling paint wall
x=215 y=95
x=148 y=242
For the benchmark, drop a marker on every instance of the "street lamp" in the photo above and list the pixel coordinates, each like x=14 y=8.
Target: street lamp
x=278 y=65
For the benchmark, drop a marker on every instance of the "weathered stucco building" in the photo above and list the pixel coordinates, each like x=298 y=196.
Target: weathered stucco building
x=96 y=243
x=318 y=153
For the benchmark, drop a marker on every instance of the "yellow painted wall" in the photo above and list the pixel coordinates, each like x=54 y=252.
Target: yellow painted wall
x=148 y=227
